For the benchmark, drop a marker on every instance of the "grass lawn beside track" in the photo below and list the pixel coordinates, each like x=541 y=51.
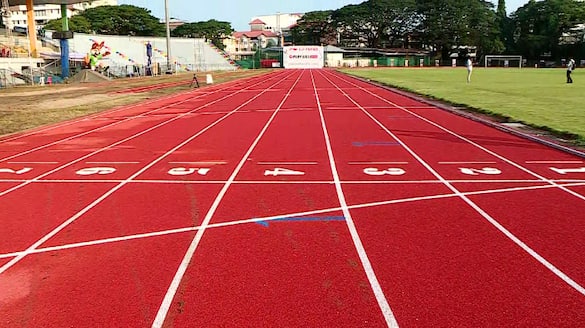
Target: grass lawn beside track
x=537 y=97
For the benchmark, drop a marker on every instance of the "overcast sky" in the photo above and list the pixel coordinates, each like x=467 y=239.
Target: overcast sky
x=239 y=12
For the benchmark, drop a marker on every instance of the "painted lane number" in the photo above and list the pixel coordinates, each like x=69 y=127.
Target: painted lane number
x=391 y=171
x=567 y=171
x=182 y=171
x=96 y=170
x=280 y=171
x=485 y=170
x=19 y=172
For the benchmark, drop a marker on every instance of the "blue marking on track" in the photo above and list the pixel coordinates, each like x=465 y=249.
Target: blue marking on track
x=375 y=143
x=302 y=219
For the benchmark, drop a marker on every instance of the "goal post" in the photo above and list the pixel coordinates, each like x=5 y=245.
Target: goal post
x=503 y=61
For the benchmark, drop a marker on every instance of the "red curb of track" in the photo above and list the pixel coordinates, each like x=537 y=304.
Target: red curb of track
x=471 y=116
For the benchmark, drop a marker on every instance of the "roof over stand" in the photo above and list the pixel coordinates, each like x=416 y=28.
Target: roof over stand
x=45 y=2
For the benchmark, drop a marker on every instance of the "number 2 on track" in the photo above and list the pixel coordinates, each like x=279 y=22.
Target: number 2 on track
x=485 y=170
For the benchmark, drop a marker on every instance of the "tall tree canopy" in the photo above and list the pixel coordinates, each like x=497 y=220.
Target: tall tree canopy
x=541 y=26
x=314 y=28
x=212 y=30
x=114 y=20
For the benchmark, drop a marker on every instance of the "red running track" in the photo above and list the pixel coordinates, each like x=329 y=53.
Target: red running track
x=298 y=198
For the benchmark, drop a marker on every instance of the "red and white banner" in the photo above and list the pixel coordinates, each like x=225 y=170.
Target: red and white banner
x=303 y=57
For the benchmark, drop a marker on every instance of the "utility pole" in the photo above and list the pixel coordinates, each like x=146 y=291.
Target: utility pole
x=169 y=67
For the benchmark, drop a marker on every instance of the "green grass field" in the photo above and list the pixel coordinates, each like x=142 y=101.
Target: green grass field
x=537 y=97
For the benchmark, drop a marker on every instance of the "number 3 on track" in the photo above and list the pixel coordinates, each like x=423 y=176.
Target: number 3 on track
x=391 y=171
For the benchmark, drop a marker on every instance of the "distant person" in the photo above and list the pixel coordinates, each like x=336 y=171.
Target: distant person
x=469 y=66
x=570 y=69
x=194 y=81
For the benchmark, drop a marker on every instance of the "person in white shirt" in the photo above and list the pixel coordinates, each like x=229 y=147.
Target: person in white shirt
x=570 y=68
x=469 y=66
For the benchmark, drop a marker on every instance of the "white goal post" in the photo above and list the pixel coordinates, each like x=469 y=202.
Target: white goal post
x=503 y=61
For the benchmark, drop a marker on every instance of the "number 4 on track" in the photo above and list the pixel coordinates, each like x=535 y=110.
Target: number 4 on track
x=280 y=171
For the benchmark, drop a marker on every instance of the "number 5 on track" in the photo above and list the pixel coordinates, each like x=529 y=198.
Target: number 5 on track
x=280 y=171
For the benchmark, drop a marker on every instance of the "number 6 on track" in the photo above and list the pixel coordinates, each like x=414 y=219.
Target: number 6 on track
x=96 y=170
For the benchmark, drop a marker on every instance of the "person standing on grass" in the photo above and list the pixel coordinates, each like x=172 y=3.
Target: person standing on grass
x=570 y=68
x=469 y=66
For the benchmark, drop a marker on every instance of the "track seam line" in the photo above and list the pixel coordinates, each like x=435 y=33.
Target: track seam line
x=172 y=290
x=366 y=264
x=477 y=208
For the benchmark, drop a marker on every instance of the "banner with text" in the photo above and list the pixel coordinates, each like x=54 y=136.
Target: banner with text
x=303 y=57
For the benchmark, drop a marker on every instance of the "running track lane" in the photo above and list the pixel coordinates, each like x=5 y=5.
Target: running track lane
x=437 y=260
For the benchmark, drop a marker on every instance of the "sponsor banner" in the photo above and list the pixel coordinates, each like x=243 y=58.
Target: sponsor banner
x=303 y=57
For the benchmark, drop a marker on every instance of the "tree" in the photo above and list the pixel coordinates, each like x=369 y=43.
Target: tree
x=506 y=33
x=378 y=23
x=541 y=26
x=213 y=30
x=448 y=24
x=114 y=20
x=314 y=28
x=77 y=24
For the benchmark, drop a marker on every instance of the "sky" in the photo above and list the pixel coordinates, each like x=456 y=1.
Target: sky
x=240 y=12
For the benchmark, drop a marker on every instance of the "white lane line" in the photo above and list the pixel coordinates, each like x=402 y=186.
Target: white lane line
x=367 y=265
x=287 y=163
x=564 y=277
x=113 y=163
x=199 y=163
x=378 y=163
x=465 y=163
x=268 y=218
x=172 y=290
x=40 y=163
x=554 y=162
x=123 y=183
x=148 y=181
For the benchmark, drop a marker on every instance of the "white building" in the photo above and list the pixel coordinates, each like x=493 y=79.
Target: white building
x=278 y=23
x=45 y=13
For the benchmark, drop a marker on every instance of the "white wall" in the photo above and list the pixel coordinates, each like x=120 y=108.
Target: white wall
x=191 y=54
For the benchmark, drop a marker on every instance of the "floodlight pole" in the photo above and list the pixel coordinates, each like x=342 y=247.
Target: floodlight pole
x=168 y=25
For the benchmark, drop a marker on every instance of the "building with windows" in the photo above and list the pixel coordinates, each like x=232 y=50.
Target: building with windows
x=47 y=12
x=265 y=32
